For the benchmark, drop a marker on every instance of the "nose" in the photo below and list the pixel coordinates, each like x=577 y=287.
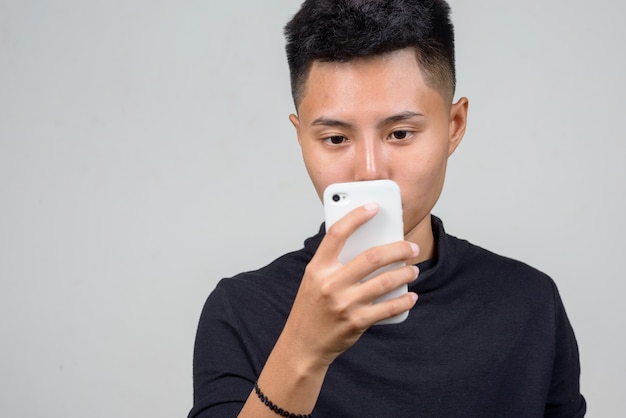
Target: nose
x=369 y=161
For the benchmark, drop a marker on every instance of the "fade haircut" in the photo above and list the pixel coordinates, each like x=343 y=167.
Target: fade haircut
x=343 y=30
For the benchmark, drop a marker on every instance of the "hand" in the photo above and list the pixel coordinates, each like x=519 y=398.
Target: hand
x=333 y=308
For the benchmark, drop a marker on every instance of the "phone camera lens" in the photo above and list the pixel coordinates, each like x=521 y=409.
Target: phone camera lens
x=336 y=198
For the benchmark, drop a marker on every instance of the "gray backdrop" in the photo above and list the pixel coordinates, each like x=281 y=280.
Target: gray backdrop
x=145 y=152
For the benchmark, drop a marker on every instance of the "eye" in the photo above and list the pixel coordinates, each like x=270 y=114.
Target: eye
x=335 y=140
x=400 y=135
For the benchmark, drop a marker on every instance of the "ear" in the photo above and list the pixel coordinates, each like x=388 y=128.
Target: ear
x=296 y=124
x=458 y=123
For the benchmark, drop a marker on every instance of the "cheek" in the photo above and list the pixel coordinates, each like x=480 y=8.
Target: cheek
x=324 y=168
x=421 y=181
x=421 y=168
x=320 y=172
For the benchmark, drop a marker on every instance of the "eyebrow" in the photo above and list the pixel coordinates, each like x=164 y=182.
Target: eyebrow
x=401 y=117
x=324 y=121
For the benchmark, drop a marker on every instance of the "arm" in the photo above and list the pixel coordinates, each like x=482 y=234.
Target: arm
x=331 y=311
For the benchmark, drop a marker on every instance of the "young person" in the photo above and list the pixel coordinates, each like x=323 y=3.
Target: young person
x=373 y=83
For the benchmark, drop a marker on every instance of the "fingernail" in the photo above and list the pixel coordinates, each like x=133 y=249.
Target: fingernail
x=371 y=207
x=415 y=249
x=413 y=296
x=417 y=271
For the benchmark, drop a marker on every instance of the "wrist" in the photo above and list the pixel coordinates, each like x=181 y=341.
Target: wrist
x=291 y=379
x=275 y=408
x=301 y=357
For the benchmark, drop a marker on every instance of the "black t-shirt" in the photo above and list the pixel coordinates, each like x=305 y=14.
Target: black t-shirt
x=489 y=337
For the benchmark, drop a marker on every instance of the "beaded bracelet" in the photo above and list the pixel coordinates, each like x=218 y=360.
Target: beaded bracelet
x=275 y=408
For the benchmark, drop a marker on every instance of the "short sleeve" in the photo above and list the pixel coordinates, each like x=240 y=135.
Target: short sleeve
x=564 y=398
x=223 y=378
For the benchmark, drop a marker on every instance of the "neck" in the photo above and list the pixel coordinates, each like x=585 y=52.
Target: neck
x=422 y=235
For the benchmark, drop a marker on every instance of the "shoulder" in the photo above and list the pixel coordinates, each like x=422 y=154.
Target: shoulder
x=461 y=257
x=504 y=276
x=285 y=270
x=273 y=284
x=477 y=269
x=492 y=263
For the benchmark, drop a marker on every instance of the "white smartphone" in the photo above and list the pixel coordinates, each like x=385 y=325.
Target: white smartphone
x=384 y=228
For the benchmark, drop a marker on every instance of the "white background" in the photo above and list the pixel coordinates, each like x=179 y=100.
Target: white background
x=145 y=152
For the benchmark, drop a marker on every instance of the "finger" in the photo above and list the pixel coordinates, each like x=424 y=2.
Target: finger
x=386 y=282
x=376 y=257
x=339 y=232
x=377 y=312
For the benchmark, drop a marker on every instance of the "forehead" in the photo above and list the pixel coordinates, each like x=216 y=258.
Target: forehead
x=393 y=80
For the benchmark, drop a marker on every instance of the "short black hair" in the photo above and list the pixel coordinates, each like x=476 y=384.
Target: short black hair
x=342 y=30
